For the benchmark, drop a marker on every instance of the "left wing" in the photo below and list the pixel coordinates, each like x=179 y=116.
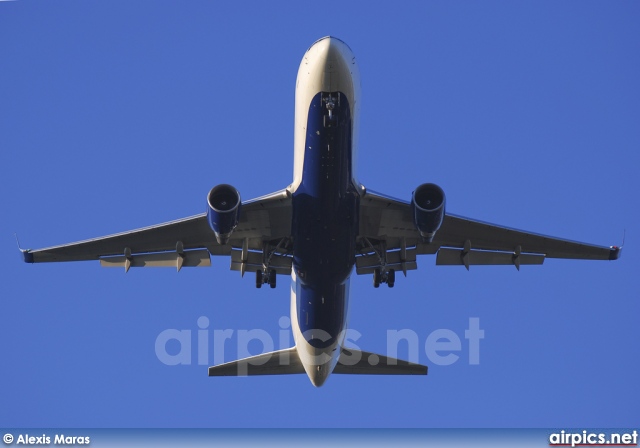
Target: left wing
x=387 y=231
x=184 y=242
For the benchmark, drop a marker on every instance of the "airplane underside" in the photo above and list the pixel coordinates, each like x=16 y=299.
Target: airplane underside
x=319 y=230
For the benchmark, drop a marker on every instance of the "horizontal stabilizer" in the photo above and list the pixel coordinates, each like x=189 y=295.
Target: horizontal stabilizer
x=354 y=361
x=281 y=362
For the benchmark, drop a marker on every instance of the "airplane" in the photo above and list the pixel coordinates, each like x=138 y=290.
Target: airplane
x=318 y=228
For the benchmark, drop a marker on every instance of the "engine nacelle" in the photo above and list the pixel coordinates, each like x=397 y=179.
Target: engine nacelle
x=428 y=202
x=223 y=212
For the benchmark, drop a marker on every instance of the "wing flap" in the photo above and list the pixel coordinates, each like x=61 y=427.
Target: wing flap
x=366 y=264
x=452 y=257
x=254 y=261
x=188 y=259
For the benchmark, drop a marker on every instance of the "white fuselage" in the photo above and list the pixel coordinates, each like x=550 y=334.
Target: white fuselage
x=328 y=67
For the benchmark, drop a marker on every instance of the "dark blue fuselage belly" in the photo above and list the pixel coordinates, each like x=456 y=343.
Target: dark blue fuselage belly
x=325 y=221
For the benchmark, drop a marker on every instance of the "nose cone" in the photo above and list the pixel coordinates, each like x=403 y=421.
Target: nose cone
x=319 y=374
x=329 y=66
x=331 y=50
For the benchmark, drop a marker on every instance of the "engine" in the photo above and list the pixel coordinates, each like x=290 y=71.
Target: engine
x=428 y=203
x=223 y=211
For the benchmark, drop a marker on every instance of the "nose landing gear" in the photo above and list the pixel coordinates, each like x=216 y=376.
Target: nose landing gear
x=330 y=103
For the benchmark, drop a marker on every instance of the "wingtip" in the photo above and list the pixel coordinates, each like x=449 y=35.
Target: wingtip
x=615 y=252
x=27 y=256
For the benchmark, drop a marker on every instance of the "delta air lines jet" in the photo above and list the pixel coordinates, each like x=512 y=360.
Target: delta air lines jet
x=318 y=228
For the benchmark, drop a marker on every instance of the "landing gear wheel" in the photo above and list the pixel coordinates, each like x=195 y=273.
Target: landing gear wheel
x=259 y=278
x=376 y=278
x=272 y=278
x=391 y=278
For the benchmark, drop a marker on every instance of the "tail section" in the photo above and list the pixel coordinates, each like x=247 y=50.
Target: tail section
x=354 y=361
x=287 y=361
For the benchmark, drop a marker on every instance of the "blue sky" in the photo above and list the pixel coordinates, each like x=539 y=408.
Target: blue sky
x=117 y=115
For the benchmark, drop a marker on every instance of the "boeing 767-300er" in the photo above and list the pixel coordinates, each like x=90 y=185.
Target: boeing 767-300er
x=318 y=228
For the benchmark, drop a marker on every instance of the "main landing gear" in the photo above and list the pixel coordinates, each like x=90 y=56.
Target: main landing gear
x=268 y=276
x=388 y=277
x=273 y=257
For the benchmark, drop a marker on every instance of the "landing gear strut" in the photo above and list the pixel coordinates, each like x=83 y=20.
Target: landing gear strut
x=267 y=275
x=329 y=119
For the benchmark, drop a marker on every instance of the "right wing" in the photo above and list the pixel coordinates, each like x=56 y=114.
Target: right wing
x=264 y=222
x=387 y=229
